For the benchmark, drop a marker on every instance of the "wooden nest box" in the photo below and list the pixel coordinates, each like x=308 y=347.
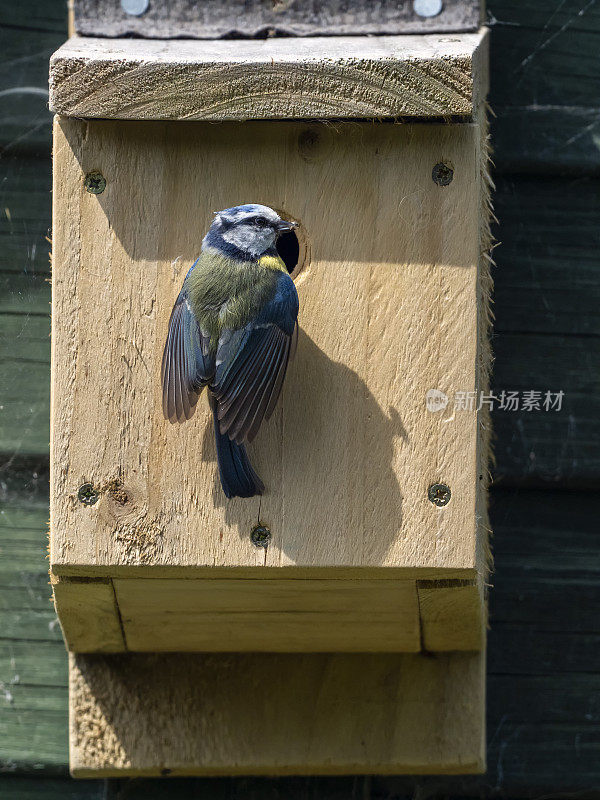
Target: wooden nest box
x=349 y=600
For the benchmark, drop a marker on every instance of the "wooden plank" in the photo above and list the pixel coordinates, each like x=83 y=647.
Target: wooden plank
x=541 y=695
x=526 y=758
x=46 y=788
x=452 y=616
x=175 y=517
x=268 y=616
x=547 y=278
x=24 y=304
x=238 y=19
x=546 y=282
x=33 y=727
x=88 y=614
x=577 y=611
x=545 y=86
x=551 y=140
x=563 y=451
x=414 y=76
x=33 y=675
x=547 y=118
x=545 y=533
x=544 y=54
x=345 y=714
x=30 y=33
x=553 y=447
x=522 y=763
x=25 y=426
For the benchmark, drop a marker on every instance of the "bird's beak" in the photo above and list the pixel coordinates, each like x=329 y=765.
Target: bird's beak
x=286 y=225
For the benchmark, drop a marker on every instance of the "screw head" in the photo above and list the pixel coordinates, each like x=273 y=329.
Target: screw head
x=95 y=182
x=87 y=494
x=442 y=174
x=260 y=536
x=427 y=8
x=135 y=8
x=439 y=494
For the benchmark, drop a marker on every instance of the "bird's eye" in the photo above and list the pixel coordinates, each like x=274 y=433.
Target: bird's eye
x=261 y=222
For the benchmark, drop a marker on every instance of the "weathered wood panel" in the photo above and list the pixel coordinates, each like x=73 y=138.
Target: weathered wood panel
x=539 y=724
x=546 y=281
x=29 y=33
x=538 y=53
x=286 y=616
x=545 y=85
x=545 y=53
x=172 y=516
x=24 y=304
x=89 y=615
x=25 y=206
x=547 y=276
x=414 y=713
x=543 y=704
x=542 y=127
x=323 y=77
x=33 y=678
x=544 y=284
x=214 y=19
x=53 y=788
x=548 y=446
x=553 y=140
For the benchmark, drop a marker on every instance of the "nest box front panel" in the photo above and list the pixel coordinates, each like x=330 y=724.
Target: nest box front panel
x=387 y=278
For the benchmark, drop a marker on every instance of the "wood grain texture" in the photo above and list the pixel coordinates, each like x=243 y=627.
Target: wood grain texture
x=451 y=616
x=88 y=614
x=351 y=451
x=268 y=616
x=235 y=714
x=213 y=19
x=356 y=77
x=541 y=686
x=546 y=302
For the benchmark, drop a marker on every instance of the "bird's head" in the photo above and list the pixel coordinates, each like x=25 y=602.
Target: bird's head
x=252 y=228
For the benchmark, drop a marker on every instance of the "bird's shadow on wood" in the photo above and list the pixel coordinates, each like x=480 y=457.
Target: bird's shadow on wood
x=327 y=460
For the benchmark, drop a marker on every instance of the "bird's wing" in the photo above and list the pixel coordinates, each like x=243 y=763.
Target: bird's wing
x=251 y=364
x=186 y=364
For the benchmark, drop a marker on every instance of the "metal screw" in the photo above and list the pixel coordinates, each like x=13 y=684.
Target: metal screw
x=427 y=8
x=135 y=7
x=442 y=174
x=260 y=536
x=95 y=182
x=439 y=494
x=87 y=494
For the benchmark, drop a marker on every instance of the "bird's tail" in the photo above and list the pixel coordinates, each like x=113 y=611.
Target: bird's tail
x=238 y=479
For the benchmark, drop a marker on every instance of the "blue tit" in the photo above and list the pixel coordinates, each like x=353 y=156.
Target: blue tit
x=233 y=329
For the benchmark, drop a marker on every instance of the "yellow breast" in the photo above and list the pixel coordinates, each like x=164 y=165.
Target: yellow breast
x=272 y=262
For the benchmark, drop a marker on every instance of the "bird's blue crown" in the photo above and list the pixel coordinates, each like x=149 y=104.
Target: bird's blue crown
x=246 y=232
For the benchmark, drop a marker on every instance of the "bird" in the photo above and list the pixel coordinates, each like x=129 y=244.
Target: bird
x=233 y=329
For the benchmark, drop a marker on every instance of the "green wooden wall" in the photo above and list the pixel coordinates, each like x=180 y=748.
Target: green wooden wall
x=544 y=646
